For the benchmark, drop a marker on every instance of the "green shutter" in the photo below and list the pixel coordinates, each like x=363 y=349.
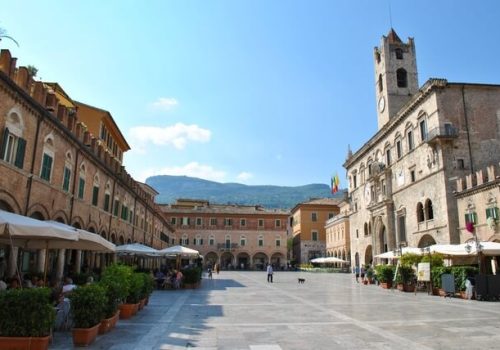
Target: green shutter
x=5 y=139
x=46 y=167
x=81 y=188
x=21 y=148
x=106 y=202
x=67 y=175
x=95 y=195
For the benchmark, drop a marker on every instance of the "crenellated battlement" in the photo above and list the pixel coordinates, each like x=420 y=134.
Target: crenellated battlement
x=482 y=177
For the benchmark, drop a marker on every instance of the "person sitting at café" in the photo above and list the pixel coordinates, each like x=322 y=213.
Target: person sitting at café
x=159 y=278
x=178 y=279
x=68 y=286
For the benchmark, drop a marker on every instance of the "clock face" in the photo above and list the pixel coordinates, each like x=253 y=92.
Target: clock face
x=381 y=104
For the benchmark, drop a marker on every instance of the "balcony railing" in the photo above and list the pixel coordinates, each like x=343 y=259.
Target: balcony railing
x=227 y=247
x=446 y=132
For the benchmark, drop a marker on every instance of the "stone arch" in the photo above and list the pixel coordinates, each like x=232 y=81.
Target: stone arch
x=211 y=258
x=38 y=208
x=103 y=234
x=426 y=240
x=381 y=236
x=121 y=240
x=9 y=203
x=368 y=254
x=420 y=212
x=243 y=260
x=129 y=241
x=77 y=222
x=260 y=260
x=91 y=228
x=60 y=216
x=227 y=260
x=429 y=211
x=112 y=238
x=277 y=260
x=37 y=215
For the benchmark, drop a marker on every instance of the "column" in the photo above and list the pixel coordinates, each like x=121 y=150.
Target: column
x=40 y=260
x=78 y=261
x=12 y=262
x=61 y=257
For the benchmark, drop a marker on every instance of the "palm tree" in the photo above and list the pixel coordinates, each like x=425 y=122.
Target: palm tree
x=3 y=34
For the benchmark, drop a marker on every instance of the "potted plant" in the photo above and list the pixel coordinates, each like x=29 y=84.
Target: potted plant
x=26 y=318
x=87 y=308
x=192 y=277
x=385 y=274
x=131 y=306
x=461 y=273
x=147 y=287
x=407 y=275
x=115 y=282
x=370 y=274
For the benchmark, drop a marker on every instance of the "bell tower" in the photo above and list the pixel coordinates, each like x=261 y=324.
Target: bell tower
x=396 y=78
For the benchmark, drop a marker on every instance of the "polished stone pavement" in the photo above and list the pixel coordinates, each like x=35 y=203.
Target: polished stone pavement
x=240 y=310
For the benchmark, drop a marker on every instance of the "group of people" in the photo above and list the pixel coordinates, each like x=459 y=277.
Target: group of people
x=24 y=281
x=171 y=278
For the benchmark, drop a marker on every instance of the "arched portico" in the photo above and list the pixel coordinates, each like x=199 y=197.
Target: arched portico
x=243 y=261
x=211 y=259
x=277 y=260
x=227 y=260
x=260 y=261
x=368 y=255
x=425 y=241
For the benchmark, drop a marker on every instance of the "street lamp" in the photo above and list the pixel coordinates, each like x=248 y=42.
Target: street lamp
x=469 y=226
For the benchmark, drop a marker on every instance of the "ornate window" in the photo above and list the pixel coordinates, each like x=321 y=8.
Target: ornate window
x=402 y=78
x=13 y=146
x=420 y=212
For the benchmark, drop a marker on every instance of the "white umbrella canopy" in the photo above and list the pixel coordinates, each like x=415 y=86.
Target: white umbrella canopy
x=86 y=240
x=178 y=250
x=25 y=232
x=467 y=249
x=405 y=250
x=136 y=249
x=328 y=260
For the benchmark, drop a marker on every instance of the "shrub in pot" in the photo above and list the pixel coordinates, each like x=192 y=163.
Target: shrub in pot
x=115 y=279
x=385 y=274
x=136 y=283
x=26 y=313
x=87 y=308
x=192 y=276
x=148 y=285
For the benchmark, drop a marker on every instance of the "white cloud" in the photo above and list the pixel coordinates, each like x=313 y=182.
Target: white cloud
x=165 y=103
x=192 y=169
x=244 y=176
x=177 y=135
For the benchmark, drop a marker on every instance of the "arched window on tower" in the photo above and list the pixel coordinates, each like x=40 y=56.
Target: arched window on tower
x=380 y=83
x=402 y=78
x=399 y=53
x=420 y=212
x=428 y=210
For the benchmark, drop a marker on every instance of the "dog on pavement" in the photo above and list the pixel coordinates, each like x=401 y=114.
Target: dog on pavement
x=302 y=280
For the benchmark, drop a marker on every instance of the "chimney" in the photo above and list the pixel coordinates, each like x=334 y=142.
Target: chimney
x=5 y=59
x=12 y=69
x=86 y=138
x=62 y=113
x=479 y=177
x=39 y=93
x=468 y=181
x=460 y=185
x=22 y=78
x=51 y=101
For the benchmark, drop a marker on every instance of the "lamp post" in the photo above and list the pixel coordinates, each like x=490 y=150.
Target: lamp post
x=428 y=250
x=470 y=227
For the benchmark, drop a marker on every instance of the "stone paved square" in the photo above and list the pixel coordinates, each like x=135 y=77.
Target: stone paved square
x=240 y=310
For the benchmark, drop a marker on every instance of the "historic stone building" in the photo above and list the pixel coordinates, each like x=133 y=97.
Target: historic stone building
x=338 y=239
x=401 y=181
x=234 y=236
x=54 y=168
x=308 y=227
x=478 y=197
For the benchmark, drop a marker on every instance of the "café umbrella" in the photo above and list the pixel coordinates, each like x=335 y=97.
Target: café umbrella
x=179 y=251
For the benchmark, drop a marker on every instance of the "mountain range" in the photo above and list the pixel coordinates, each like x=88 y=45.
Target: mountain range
x=171 y=188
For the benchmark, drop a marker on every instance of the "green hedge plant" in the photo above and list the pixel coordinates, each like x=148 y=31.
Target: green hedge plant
x=26 y=313
x=115 y=280
x=136 y=283
x=87 y=305
x=385 y=273
x=192 y=275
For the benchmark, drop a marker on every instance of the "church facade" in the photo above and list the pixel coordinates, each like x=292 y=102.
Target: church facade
x=402 y=181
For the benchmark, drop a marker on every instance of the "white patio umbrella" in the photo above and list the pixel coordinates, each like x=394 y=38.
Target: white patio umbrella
x=86 y=240
x=467 y=249
x=136 y=249
x=328 y=260
x=179 y=251
x=22 y=231
x=405 y=250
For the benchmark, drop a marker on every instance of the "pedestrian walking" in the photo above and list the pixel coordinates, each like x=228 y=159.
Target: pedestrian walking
x=217 y=268
x=356 y=271
x=269 y=273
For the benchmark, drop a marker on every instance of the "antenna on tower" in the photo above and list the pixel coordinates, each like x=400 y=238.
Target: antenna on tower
x=390 y=12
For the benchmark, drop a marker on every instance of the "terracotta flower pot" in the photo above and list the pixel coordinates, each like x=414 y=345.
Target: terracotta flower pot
x=386 y=285
x=109 y=323
x=128 y=310
x=24 y=343
x=409 y=288
x=85 y=336
x=435 y=291
x=400 y=286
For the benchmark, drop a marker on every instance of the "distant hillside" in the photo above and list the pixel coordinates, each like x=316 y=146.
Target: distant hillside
x=174 y=187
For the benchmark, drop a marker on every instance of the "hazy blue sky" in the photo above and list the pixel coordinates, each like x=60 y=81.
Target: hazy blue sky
x=257 y=92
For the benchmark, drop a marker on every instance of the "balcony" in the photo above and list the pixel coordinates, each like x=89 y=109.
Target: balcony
x=445 y=133
x=224 y=247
